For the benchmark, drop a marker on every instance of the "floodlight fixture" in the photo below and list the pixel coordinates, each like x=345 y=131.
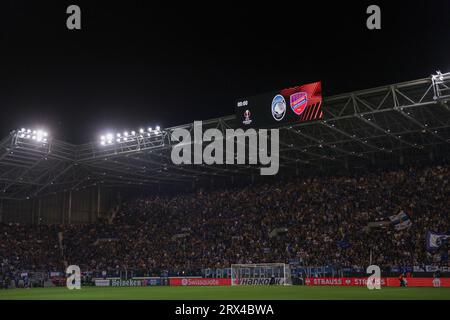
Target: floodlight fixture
x=128 y=136
x=39 y=135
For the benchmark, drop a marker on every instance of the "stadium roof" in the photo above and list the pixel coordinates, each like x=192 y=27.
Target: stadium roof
x=368 y=127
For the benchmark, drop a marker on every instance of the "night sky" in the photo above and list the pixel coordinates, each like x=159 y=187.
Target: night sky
x=140 y=63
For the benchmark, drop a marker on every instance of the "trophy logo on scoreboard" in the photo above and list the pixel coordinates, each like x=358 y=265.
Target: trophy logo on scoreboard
x=299 y=101
x=247 y=115
x=278 y=107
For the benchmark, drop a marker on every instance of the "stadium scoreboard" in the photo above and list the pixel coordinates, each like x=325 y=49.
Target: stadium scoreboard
x=277 y=108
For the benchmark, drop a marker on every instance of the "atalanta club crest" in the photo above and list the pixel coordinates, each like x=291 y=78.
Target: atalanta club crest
x=299 y=101
x=278 y=107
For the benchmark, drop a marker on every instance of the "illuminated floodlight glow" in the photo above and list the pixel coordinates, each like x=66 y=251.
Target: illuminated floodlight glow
x=128 y=136
x=38 y=135
x=106 y=139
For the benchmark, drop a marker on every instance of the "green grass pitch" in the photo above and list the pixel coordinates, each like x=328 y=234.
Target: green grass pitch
x=226 y=293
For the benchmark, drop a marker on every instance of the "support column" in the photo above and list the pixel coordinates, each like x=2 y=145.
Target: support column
x=39 y=211
x=33 y=209
x=98 y=201
x=69 y=218
x=63 y=208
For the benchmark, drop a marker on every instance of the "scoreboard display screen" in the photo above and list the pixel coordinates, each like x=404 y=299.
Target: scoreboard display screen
x=293 y=105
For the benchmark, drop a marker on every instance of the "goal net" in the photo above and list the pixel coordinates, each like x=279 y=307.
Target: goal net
x=260 y=274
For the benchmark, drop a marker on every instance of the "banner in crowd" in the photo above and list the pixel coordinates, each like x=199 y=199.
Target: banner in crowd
x=435 y=240
x=431 y=269
x=400 y=221
x=102 y=282
x=401 y=269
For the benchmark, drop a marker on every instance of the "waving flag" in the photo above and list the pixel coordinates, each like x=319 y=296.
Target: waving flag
x=435 y=240
x=400 y=221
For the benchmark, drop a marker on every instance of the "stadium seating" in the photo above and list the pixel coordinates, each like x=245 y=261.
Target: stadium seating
x=318 y=221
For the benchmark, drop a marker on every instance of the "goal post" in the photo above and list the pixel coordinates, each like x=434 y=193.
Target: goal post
x=261 y=274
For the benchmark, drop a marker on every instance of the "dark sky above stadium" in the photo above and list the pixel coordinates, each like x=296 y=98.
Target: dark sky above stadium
x=142 y=63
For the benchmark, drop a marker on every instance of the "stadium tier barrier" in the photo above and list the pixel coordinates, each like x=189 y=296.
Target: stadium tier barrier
x=200 y=282
x=133 y=282
x=197 y=281
x=161 y=281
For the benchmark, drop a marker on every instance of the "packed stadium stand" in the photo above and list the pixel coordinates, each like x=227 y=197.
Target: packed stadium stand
x=327 y=221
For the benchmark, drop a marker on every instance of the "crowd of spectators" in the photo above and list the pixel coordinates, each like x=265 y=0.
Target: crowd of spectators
x=317 y=221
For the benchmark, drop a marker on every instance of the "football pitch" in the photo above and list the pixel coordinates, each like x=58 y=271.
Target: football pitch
x=226 y=293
